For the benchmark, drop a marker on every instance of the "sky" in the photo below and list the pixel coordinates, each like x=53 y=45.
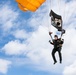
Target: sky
x=24 y=46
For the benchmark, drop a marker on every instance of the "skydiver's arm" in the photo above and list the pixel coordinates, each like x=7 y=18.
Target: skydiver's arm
x=51 y=42
x=51 y=35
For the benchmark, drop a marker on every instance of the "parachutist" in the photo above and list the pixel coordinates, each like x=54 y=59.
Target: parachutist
x=57 y=42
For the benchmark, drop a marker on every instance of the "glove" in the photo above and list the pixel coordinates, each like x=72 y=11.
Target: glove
x=49 y=40
x=50 y=33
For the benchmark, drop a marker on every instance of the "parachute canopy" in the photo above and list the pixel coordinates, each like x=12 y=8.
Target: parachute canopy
x=31 y=5
x=56 y=20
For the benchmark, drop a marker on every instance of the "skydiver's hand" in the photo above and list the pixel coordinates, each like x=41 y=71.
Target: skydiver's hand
x=50 y=33
x=49 y=40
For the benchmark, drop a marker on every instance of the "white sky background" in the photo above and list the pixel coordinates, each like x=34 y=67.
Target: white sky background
x=36 y=47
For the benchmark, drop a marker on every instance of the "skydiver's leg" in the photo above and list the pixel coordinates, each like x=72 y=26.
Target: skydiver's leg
x=53 y=55
x=60 y=55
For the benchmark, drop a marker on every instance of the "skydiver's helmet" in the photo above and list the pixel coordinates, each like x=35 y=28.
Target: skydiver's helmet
x=56 y=37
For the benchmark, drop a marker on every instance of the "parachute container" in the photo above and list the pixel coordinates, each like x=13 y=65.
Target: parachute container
x=56 y=20
x=31 y=5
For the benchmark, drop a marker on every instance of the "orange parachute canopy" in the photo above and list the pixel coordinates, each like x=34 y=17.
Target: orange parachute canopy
x=31 y=5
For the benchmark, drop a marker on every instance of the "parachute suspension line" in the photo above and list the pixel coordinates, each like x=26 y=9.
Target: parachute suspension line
x=51 y=3
x=64 y=13
x=48 y=15
x=59 y=10
x=50 y=6
x=63 y=17
x=49 y=23
x=56 y=19
x=59 y=7
x=48 y=26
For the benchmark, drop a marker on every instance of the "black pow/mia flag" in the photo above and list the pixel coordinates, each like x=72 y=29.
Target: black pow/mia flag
x=56 y=20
